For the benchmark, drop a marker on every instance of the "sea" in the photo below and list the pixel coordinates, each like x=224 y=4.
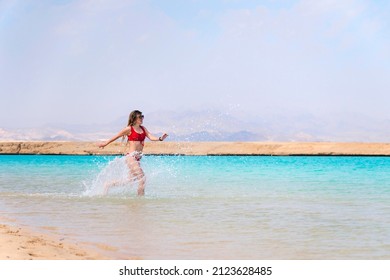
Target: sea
x=206 y=207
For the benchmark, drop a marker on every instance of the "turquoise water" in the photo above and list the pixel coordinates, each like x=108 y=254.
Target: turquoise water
x=202 y=207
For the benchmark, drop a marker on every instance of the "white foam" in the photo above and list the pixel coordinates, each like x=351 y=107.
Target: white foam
x=114 y=178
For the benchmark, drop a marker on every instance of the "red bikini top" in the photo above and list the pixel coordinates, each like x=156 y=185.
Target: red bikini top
x=135 y=136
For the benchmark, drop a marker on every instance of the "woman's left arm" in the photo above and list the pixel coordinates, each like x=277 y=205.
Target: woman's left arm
x=154 y=138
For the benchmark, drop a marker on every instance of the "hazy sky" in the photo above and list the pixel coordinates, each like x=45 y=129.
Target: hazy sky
x=92 y=61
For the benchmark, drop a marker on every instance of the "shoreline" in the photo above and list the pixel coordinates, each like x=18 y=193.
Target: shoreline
x=200 y=148
x=19 y=242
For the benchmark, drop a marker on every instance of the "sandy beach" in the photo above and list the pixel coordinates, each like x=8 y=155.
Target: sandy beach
x=202 y=148
x=21 y=243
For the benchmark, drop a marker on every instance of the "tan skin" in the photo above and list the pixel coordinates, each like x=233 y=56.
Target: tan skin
x=135 y=170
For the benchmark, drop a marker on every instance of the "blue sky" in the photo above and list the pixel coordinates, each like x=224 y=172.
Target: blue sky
x=83 y=62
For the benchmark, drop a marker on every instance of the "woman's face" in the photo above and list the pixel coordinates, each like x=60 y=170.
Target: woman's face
x=140 y=119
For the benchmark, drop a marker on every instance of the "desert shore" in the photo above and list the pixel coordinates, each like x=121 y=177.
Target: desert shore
x=20 y=243
x=202 y=148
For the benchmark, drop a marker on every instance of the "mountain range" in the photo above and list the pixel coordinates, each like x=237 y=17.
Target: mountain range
x=219 y=126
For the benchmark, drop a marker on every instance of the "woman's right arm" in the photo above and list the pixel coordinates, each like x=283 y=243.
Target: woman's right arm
x=123 y=132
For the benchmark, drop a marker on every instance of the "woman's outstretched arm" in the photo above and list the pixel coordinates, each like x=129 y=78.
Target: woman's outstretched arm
x=123 y=132
x=154 y=138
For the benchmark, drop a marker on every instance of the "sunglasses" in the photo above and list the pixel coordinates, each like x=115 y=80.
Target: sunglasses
x=141 y=116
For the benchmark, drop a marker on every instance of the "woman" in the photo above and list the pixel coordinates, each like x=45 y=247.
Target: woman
x=135 y=134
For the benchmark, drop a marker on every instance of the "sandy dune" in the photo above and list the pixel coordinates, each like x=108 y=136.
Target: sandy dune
x=201 y=148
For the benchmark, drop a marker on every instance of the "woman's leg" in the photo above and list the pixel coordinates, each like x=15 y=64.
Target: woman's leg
x=136 y=172
x=109 y=185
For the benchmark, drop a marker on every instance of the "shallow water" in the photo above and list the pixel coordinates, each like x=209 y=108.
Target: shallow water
x=202 y=207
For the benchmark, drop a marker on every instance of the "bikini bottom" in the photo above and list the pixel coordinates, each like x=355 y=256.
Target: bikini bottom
x=137 y=155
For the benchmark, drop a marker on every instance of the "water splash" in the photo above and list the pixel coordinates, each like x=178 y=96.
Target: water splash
x=163 y=176
x=114 y=178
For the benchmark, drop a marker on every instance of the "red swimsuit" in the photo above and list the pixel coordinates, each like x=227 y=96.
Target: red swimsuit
x=135 y=136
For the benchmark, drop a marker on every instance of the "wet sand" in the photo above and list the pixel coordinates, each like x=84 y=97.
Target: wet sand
x=202 y=148
x=20 y=243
